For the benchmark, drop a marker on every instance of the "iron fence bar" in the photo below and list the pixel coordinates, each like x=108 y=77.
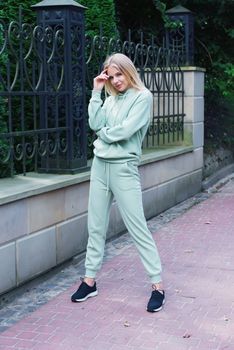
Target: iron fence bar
x=22 y=87
x=10 y=124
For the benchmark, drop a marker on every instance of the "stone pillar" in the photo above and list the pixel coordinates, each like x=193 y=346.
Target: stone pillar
x=194 y=105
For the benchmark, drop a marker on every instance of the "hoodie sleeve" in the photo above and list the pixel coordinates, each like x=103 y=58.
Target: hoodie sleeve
x=138 y=116
x=96 y=111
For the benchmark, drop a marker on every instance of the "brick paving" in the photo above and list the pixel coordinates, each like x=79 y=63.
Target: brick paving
x=197 y=252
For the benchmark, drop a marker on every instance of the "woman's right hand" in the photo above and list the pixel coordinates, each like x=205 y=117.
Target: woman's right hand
x=100 y=80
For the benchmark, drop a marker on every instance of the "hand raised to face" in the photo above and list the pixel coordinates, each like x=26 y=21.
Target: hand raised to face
x=100 y=80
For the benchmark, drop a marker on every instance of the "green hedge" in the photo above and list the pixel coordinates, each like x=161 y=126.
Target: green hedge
x=100 y=13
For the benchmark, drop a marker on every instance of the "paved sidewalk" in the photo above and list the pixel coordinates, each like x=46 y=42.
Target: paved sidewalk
x=197 y=252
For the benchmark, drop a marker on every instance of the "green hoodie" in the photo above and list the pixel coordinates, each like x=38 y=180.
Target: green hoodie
x=120 y=123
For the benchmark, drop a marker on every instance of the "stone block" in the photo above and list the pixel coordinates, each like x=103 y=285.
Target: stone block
x=159 y=198
x=197 y=130
x=72 y=236
x=7 y=267
x=46 y=210
x=188 y=185
x=194 y=109
x=35 y=254
x=164 y=170
x=14 y=221
x=166 y=195
x=194 y=83
x=76 y=199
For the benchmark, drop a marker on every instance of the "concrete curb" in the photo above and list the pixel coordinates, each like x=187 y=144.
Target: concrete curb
x=220 y=174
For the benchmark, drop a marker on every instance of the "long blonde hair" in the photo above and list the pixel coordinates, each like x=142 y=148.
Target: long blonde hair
x=127 y=68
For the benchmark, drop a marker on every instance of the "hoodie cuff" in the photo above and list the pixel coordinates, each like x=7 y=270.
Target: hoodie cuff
x=96 y=93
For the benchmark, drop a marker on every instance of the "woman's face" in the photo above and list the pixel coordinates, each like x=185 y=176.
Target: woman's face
x=117 y=79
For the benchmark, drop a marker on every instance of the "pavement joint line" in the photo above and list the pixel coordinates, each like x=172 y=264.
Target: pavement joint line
x=21 y=302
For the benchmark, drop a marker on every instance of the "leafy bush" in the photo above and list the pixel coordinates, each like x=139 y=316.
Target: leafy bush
x=219 y=107
x=100 y=13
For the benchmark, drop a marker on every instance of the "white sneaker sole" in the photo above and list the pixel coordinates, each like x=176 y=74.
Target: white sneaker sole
x=156 y=310
x=90 y=295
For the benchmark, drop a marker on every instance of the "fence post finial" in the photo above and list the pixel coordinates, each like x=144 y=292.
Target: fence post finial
x=181 y=36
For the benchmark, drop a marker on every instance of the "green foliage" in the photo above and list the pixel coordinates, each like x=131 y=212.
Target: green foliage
x=214 y=51
x=9 y=10
x=138 y=16
x=219 y=107
x=100 y=13
x=168 y=23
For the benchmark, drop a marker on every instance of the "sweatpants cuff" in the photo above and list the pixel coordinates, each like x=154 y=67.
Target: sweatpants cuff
x=156 y=279
x=90 y=273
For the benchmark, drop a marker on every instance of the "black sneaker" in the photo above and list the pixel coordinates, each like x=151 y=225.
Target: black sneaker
x=84 y=292
x=156 y=301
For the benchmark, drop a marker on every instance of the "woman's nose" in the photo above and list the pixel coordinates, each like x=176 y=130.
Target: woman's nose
x=115 y=79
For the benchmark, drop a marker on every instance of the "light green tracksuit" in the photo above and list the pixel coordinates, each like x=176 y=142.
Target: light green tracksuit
x=120 y=124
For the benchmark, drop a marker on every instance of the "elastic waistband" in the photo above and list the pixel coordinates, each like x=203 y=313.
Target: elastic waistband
x=122 y=161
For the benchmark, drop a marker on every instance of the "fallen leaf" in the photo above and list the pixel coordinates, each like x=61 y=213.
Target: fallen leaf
x=186 y=335
x=208 y=222
x=178 y=290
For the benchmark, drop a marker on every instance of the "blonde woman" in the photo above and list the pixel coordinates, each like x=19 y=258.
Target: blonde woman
x=120 y=124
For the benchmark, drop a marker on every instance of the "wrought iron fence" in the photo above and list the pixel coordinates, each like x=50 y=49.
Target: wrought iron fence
x=29 y=73
x=41 y=99
x=37 y=132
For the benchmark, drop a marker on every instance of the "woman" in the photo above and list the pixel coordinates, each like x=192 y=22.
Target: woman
x=120 y=124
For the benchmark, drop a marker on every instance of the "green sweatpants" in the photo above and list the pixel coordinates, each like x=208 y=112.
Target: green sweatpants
x=121 y=181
